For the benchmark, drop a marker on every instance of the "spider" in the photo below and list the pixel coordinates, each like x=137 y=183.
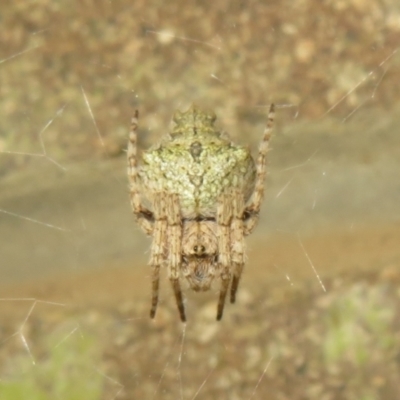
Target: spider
x=205 y=194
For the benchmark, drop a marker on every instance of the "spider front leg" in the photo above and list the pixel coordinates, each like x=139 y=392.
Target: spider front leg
x=174 y=259
x=237 y=242
x=158 y=248
x=251 y=212
x=224 y=217
x=143 y=216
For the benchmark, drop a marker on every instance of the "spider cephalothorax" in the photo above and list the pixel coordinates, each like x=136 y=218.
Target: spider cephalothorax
x=199 y=253
x=205 y=193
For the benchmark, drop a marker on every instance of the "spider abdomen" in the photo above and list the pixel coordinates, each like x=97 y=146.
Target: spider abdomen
x=198 y=165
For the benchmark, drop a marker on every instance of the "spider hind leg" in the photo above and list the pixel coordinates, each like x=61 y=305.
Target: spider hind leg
x=174 y=251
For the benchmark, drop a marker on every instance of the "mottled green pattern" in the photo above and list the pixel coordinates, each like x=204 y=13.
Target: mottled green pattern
x=196 y=162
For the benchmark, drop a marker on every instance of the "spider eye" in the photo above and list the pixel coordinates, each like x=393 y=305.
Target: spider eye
x=199 y=249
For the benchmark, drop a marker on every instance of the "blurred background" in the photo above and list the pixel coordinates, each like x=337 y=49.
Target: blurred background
x=317 y=314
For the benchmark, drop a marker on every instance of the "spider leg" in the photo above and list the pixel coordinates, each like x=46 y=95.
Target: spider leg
x=155 y=283
x=251 y=212
x=143 y=216
x=157 y=248
x=174 y=239
x=237 y=242
x=224 y=216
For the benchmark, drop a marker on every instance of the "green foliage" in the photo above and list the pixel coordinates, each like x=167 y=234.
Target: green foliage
x=67 y=372
x=359 y=327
